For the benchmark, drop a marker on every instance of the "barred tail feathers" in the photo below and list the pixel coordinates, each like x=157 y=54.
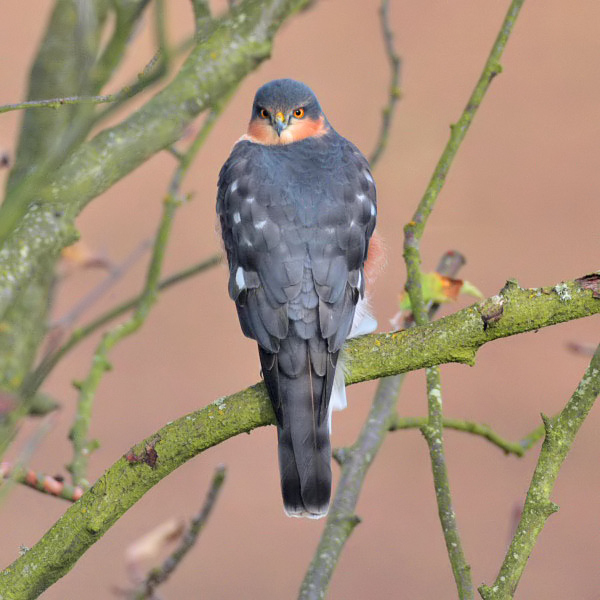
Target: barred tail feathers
x=303 y=436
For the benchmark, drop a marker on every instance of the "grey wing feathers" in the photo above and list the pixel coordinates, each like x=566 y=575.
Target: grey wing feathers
x=297 y=245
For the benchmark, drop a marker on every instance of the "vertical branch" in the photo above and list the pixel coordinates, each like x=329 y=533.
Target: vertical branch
x=355 y=462
x=413 y=232
x=394 y=91
x=414 y=229
x=560 y=435
x=82 y=446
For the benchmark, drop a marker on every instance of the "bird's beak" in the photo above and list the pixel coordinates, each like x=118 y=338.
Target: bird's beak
x=280 y=123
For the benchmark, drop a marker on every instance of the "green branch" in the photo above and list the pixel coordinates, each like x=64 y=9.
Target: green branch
x=58 y=102
x=235 y=46
x=355 y=462
x=457 y=337
x=413 y=231
x=82 y=446
x=451 y=339
x=48 y=363
x=485 y=431
x=560 y=435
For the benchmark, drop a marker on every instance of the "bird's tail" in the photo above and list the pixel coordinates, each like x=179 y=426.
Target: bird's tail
x=300 y=403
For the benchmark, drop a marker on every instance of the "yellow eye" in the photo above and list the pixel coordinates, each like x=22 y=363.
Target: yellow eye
x=264 y=113
x=299 y=113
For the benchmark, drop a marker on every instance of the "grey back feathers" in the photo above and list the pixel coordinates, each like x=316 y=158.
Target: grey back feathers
x=296 y=220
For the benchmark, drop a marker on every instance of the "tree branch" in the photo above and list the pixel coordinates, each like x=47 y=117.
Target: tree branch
x=235 y=45
x=355 y=462
x=485 y=431
x=162 y=573
x=455 y=338
x=82 y=446
x=48 y=363
x=394 y=90
x=560 y=435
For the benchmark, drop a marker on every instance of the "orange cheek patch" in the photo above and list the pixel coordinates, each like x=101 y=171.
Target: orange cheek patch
x=306 y=128
x=260 y=131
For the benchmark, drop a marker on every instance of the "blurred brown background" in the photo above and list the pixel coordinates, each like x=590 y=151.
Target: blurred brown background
x=522 y=200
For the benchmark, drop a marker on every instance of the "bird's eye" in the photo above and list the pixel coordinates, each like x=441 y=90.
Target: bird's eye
x=299 y=113
x=264 y=113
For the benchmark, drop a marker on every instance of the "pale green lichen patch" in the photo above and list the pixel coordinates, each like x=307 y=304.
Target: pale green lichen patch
x=563 y=292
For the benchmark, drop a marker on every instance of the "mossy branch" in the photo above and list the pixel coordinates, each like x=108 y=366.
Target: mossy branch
x=232 y=48
x=455 y=338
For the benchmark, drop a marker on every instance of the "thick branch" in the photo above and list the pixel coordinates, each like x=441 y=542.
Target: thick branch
x=234 y=47
x=455 y=338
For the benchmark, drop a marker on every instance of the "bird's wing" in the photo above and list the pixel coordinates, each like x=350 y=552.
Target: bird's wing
x=296 y=246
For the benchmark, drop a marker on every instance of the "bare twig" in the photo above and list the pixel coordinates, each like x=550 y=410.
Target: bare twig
x=115 y=273
x=82 y=446
x=7 y=481
x=560 y=435
x=413 y=232
x=394 y=92
x=162 y=573
x=355 y=462
x=485 y=431
x=37 y=377
x=54 y=486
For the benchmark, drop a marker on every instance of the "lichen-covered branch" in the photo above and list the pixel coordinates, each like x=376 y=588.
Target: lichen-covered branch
x=560 y=435
x=479 y=429
x=455 y=338
x=433 y=433
x=355 y=462
x=82 y=446
x=236 y=44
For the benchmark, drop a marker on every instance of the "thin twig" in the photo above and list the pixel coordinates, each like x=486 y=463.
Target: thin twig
x=48 y=363
x=115 y=273
x=394 y=91
x=29 y=449
x=485 y=431
x=355 y=462
x=53 y=486
x=560 y=435
x=414 y=229
x=413 y=232
x=82 y=446
x=162 y=573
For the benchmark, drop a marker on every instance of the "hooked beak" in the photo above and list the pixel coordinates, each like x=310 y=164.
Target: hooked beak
x=279 y=123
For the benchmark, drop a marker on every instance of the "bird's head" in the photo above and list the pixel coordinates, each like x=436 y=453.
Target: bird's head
x=285 y=111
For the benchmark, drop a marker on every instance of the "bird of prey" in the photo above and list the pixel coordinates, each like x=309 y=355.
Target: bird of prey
x=297 y=208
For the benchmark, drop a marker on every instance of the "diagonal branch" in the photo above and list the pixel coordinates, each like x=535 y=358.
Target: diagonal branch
x=455 y=338
x=560 y=435
x=355 y=462
x=233 y=47
x=158 y=576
